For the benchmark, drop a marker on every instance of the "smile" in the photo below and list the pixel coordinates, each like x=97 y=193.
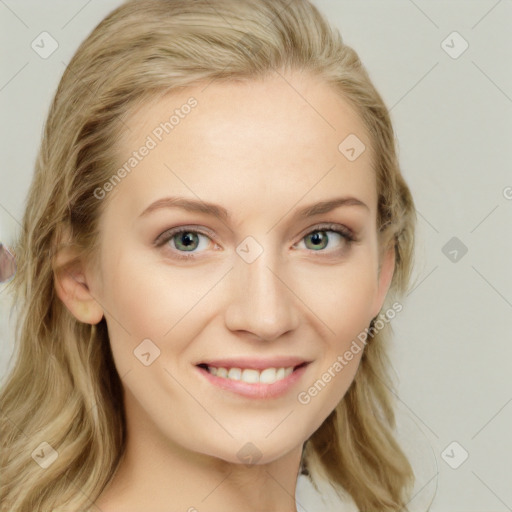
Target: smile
x=263 y=383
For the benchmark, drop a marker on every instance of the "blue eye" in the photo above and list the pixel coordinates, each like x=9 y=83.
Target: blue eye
x=186 y=240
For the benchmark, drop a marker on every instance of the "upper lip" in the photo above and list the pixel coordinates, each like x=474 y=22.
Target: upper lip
x=255 y=364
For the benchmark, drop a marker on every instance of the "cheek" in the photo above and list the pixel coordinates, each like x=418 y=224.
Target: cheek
x=347 y=297
x=347 y=313
x=138 y=306
x=139 y=294
x=150 y=300
x=353 y=310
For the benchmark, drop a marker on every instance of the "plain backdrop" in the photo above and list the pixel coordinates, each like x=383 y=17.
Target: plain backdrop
x=444 y=70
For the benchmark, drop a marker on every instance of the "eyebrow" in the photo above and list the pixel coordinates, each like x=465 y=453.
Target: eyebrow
x=220 y=212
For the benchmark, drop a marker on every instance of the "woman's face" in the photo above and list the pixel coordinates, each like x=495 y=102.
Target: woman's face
x=248 y=284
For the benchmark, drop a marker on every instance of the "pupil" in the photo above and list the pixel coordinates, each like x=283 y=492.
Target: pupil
x=317 y=238
x=187 y=239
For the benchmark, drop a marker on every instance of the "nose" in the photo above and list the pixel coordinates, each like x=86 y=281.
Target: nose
x=261 y=301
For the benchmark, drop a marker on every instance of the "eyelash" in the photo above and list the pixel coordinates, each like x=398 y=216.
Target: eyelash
x=166 y=236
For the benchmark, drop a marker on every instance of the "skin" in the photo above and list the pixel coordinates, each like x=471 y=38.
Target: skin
x=262 y=150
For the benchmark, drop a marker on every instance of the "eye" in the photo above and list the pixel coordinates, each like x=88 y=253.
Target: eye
x=318 y=239
x=184 y=240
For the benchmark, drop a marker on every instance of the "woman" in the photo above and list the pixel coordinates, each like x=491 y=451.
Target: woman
x=214 y=243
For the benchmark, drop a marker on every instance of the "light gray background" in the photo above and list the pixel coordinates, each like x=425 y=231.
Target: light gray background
x=453 y=120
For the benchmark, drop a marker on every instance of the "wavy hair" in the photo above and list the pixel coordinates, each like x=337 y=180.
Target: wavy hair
x=63 y=388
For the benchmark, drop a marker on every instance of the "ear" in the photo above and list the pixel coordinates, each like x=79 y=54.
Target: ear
x=386 y=271
x=72 y=287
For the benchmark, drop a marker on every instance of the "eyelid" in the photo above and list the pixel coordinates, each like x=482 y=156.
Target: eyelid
x=331 y=226
x=169 y=233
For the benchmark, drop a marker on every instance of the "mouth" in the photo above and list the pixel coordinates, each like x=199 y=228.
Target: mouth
x=266 y=375
x=263 y=383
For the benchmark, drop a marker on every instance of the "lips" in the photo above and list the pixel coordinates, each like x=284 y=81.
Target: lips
x=268 y=383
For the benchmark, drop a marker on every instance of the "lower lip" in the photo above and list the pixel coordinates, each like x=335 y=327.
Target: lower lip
x=258 y=390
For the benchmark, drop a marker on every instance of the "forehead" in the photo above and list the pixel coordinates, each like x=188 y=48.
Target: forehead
x=276 y=138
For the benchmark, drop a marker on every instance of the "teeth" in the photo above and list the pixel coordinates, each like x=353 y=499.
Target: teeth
x=266 y=376
x=269 y=375
x=220 y=372
x=251 y=376
x=235 y=374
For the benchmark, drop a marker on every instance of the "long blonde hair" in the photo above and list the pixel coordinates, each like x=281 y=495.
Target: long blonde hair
x=64 y=388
